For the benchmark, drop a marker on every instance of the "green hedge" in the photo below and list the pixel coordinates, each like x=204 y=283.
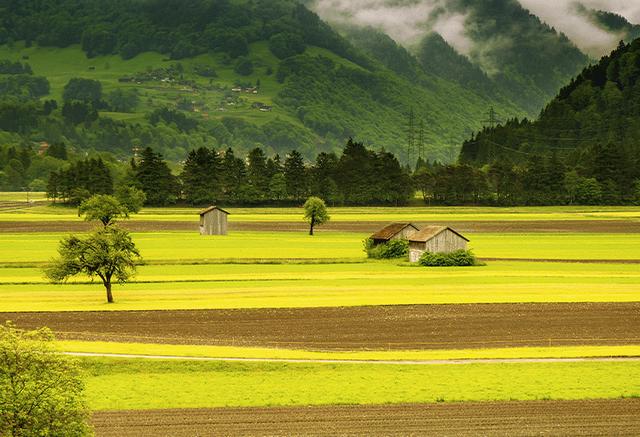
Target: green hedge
x=458 y=258
x=390 y=250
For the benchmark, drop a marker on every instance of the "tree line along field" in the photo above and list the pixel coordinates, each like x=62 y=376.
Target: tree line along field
x=264 y=295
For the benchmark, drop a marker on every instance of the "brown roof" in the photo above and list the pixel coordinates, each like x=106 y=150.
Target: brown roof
x=429 y=232
x=388 y=232
x=211 y=208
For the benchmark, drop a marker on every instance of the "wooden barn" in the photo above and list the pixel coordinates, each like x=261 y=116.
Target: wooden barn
x=435 y=239
x=213 y=221
x=395 y=231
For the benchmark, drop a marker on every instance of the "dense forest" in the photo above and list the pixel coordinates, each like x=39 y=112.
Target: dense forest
x=357 y=177
x=591 y=131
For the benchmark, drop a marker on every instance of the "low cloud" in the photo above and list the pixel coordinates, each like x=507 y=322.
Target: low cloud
x=564 y=15
x=408 y=21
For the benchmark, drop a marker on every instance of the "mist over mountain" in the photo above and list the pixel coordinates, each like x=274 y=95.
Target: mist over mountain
x=527 y=59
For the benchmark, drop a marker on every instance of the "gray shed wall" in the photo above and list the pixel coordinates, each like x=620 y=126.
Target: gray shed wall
x=213 y=223
x=445 y=242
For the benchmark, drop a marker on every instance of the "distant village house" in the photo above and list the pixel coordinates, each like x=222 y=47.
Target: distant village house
x=213 y=221
x=435 y=239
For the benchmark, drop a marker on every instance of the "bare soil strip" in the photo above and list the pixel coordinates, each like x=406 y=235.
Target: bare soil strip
x=402 y=327
x=487 y=226
x=620 y=417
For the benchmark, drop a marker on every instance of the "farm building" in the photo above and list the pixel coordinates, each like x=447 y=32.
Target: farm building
x=213 y=221
x=435 y=239
x=395 y=231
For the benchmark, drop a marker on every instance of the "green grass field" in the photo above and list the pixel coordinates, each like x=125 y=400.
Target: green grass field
x=340 y=214
x=187 y=247
x=21 y=196
x=183 y=270
x=318 y=285
x=171 y=384
x=203 y=351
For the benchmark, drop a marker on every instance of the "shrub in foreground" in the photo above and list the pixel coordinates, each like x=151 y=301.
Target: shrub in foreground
x=390 y=250
x=458 y=258
x=41 y=391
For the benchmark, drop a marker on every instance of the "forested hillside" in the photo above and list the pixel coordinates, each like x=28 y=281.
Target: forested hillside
x=178 y=75
x=591 y=129
x=501 y=49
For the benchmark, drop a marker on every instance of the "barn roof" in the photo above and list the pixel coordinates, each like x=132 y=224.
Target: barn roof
x=429 y=232
x=388 y=232
x=212 y=208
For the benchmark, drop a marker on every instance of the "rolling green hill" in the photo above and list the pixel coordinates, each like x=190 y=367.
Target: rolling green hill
x=316 y=93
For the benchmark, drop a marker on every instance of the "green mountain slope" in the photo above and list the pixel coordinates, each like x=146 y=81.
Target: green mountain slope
x=592 y=126
x=508 y=52
x=243 y=73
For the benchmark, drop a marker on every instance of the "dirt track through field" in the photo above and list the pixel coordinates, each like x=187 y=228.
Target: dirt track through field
x=578 y=418
x=486 y=226
x=356 y=328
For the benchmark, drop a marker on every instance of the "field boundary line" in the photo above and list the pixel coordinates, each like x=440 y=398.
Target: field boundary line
x=345 y=361
x=563 y=261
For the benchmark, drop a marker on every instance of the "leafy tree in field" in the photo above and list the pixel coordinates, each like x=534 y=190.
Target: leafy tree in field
x=84 y=90
x=41 y=391
x=108 y=253
x=131 y=198
x=315 y=212
x=103 y=208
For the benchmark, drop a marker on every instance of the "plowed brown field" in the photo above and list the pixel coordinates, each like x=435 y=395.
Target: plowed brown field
x=352 y=328
x=509 y=226
x=576 y=418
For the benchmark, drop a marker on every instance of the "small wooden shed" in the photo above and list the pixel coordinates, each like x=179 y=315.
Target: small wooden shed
x=394 y=231
x=213 y=221
x=435 y=239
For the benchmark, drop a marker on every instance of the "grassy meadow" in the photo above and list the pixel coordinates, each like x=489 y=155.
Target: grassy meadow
x=280 y=384
x=189 y=247
x=182 y=270
x=326 y=285
x=273 y=353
